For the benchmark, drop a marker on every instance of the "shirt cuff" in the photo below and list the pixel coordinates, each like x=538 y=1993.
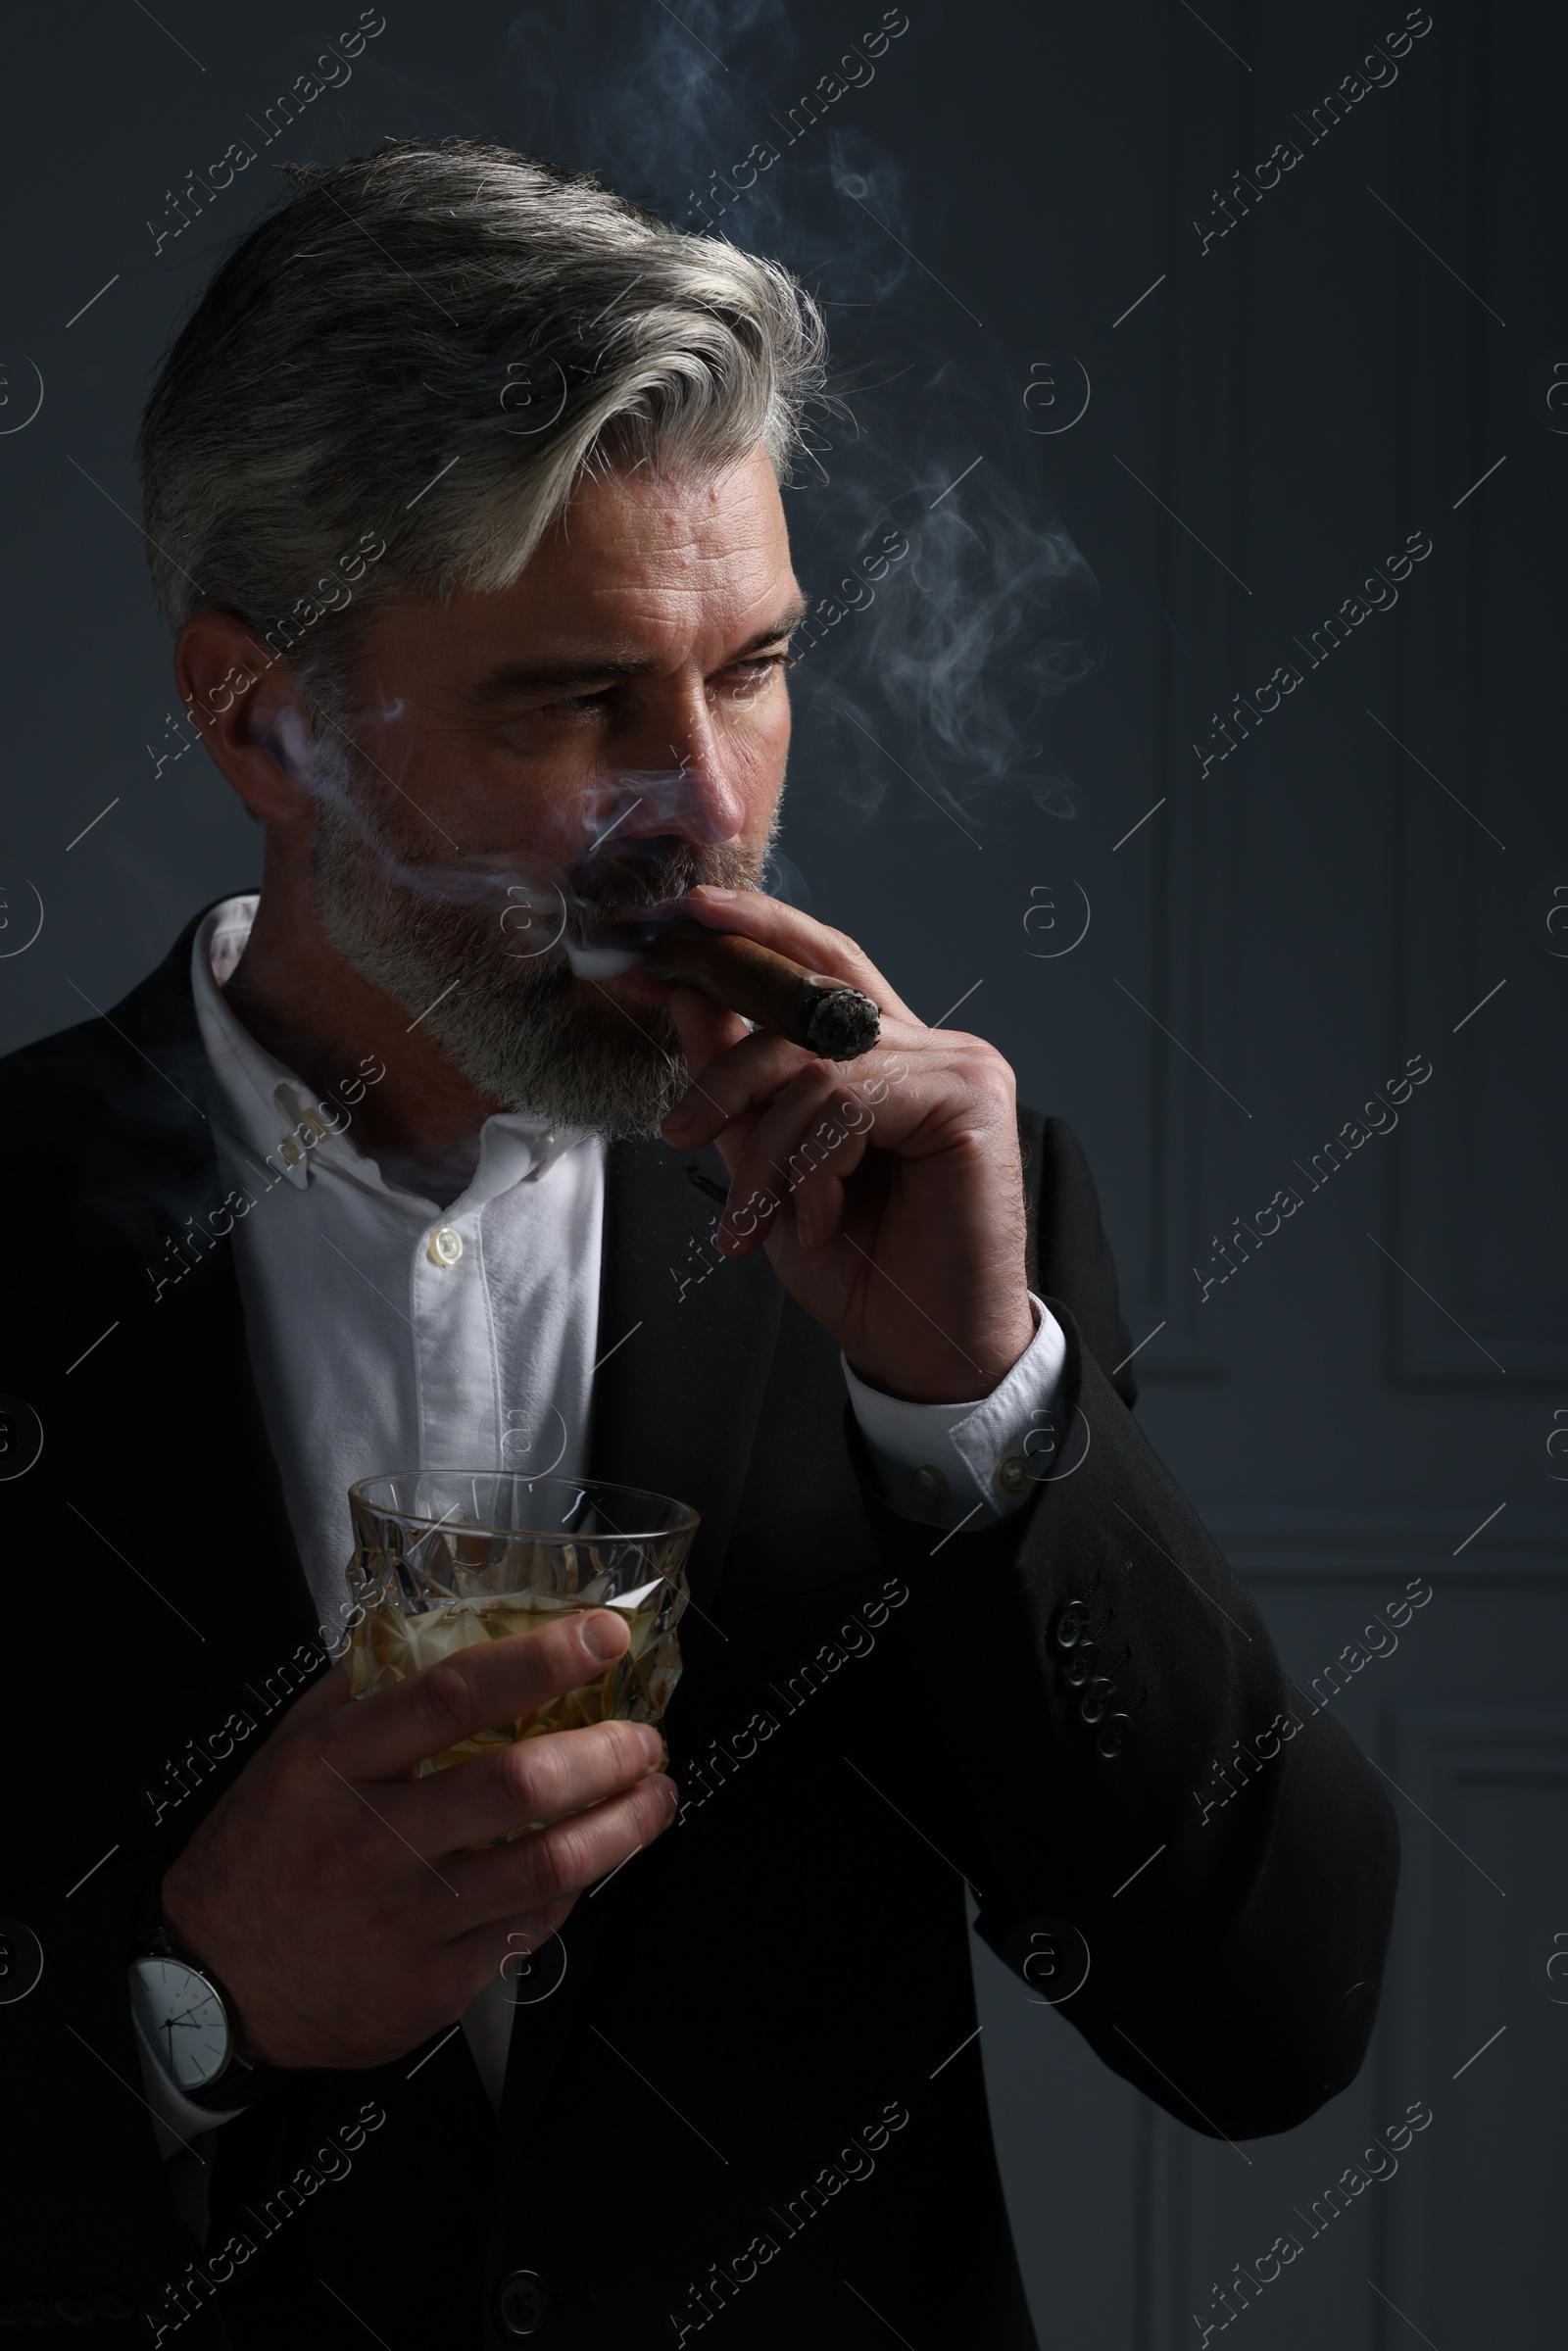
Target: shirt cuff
x=954 y=1465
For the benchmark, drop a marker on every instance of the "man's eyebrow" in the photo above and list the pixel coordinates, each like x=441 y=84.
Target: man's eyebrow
x=516 y=679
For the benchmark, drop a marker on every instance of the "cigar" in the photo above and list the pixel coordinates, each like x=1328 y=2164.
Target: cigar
x=827 y=1016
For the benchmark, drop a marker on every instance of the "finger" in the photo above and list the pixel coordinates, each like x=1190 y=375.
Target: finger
x=735 y=1091
x=326 y=1697
x=802 y=1149
x=819 y=1210
x=750 y=1072
x=791 y=933
x=706 y=1029
x=470 y=1804
x=557 y=1863
x=504 y=1948
x=386 y=1735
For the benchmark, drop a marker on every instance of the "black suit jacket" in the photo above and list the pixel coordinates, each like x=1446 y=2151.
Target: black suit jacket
x=735 y=2100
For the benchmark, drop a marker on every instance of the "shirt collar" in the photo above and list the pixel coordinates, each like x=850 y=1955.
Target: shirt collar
x=273 y=1111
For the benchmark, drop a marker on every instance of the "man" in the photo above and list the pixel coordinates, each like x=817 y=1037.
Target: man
x=463 y=497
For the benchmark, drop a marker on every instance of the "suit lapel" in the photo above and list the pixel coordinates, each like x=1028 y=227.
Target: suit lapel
x=157 y=1424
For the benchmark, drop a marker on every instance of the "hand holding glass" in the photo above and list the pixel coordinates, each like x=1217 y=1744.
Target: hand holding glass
x=445 y=1558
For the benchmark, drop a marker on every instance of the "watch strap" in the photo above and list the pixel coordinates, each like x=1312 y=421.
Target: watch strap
x=241 y=2083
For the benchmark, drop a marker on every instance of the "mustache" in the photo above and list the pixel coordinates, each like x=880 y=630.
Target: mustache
x=619 y=890
x=625 y=888
x=644 y=877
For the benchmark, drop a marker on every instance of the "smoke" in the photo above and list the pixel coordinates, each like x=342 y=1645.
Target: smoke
x=929 y=674
x=950 y=601
x=486 y=953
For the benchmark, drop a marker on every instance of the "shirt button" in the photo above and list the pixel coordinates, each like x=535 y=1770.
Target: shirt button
x=930 y=1486
x=444 y=1247
x=1013 y=1476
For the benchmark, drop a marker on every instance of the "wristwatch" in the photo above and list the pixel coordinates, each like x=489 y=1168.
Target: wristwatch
x=188 y=2020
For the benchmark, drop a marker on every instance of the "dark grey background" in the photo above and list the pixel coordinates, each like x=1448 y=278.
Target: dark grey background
x=1263 y=426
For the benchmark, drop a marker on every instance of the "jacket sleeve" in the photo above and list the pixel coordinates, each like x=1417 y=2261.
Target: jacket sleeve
x=1138 y=1790
x=92 y=2233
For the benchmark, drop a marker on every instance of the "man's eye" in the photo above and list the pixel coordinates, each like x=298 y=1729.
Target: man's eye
x=742 y=677
x=757 y=672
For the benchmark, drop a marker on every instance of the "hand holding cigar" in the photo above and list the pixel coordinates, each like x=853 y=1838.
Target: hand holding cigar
x=827 y=1016
x=905 y=1166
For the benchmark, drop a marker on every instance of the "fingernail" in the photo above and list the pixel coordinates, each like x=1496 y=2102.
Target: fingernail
x=605 y=1636
x=672 y=1793
x=653 y=1745
x=712 y=890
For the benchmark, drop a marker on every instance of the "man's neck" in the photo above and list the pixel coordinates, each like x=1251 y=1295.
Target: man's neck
x=309 y=1007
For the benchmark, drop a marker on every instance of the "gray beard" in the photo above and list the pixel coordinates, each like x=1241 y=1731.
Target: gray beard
x=519 y=1026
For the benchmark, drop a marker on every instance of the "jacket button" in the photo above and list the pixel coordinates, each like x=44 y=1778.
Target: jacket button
x=1072 y=1623
x=1095 y=1704
x=520 y=2304
x=1077 y=1670
x=1111 y=1737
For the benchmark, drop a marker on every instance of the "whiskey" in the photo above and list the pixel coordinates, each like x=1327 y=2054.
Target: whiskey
x=388 y=1647
x=446 y=1558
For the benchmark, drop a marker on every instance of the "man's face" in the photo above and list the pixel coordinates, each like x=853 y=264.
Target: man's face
x=607 y=733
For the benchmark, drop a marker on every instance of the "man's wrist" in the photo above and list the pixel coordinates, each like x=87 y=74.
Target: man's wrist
x=976 y=1375
x=969 y=1462
x=164 y=1965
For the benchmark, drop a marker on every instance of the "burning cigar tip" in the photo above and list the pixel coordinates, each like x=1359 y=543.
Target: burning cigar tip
x=843 y=1024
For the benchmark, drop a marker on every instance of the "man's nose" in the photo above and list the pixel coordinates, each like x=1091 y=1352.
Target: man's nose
x=692 y=789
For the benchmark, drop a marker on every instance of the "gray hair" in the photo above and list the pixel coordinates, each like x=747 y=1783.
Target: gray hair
x=394 y=381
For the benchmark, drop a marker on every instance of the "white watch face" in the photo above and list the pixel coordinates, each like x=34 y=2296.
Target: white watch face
x=183 y=2019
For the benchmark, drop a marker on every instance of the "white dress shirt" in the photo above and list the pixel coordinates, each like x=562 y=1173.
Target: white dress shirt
x=399 y=1319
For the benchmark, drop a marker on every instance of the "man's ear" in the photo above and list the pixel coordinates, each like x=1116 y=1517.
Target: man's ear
x=252 y=713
